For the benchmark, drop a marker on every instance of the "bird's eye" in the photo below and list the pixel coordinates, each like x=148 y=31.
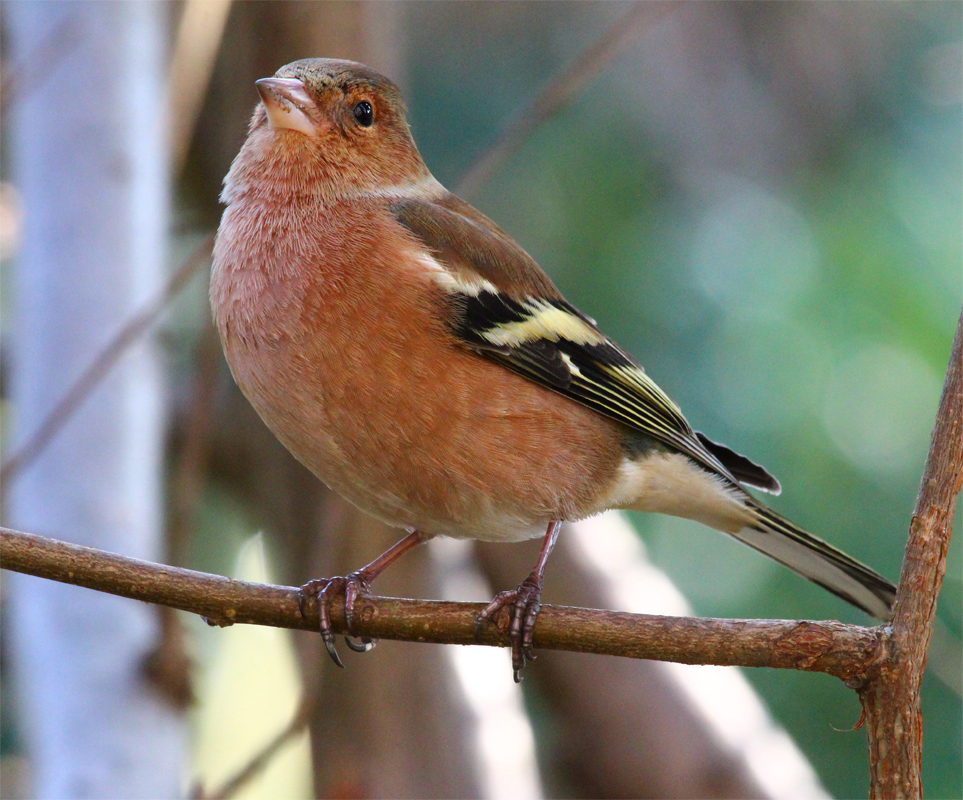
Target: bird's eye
x=364 y=113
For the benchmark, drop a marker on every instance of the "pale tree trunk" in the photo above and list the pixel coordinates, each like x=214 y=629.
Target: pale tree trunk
x=89 y=159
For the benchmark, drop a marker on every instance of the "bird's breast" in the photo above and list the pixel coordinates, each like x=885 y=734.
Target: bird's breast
x=340 y=342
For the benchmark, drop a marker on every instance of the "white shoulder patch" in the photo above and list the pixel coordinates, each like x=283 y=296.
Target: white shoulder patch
x=425 y=188
x=454 y=283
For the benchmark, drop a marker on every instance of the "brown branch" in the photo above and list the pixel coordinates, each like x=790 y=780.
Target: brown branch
x=846 y=651
x=625 y=30
x=891 y=697
x=104 y=361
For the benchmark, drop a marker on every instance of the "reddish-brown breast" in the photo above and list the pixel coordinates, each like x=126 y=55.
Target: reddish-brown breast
x=335 y=331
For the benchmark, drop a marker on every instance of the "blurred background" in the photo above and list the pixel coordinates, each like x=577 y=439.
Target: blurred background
x=761 y=201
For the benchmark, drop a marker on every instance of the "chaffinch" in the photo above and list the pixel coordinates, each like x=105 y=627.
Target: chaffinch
x=418 y=361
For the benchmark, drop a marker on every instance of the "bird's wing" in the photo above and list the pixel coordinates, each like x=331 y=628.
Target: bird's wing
x=504 y=307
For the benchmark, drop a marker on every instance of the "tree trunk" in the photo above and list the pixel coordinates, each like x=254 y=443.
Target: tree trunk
x=87 y=142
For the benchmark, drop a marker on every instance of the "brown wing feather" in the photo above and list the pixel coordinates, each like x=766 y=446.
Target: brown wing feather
x=527 y=326
x=473 y=246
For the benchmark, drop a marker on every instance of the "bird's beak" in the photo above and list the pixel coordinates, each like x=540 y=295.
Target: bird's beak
x=288 y=104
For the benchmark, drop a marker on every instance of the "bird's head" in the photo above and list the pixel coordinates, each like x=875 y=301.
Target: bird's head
x=327 y=127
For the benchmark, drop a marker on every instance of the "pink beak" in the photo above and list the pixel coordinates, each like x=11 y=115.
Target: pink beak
x=288 y=104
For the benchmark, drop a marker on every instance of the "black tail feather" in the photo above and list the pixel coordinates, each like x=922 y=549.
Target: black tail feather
x=742 y=469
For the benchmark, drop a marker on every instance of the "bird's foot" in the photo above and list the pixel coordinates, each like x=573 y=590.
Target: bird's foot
x=523 y=605
x=323 y=591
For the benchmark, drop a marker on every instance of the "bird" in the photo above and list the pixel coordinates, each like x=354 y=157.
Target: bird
x=419 y=362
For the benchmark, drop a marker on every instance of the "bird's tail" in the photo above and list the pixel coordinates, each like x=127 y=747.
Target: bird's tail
x=822 y=563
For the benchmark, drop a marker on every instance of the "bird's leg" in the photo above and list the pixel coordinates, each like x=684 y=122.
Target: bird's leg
x=525 y=602
x=352 y=586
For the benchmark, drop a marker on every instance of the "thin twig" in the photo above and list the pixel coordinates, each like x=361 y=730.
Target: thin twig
x=891 y=696
x=133 y=329
x=845 y=651
x=621 y=34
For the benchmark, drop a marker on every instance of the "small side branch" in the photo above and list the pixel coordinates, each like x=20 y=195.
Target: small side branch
x=626 y=30
x=297 y=726
x=846 y=651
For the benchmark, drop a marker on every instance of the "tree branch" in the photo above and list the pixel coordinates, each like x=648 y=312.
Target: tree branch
x=846 y=651
x=891 y=697
x=560 y=91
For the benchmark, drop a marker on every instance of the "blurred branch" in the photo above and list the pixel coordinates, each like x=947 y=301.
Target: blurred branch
x=104 y=361
x=616 y=38
x=891 y=697
x=199 y=34
x=232 y=786
x=846 y=651
x=39 y=64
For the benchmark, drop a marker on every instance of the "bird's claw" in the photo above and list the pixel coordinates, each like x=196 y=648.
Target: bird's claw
x=363 y=645
x=524 y=604
x=323 y=590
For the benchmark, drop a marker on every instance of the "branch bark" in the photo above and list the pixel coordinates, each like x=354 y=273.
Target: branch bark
x=846 y=651
x=891 y=697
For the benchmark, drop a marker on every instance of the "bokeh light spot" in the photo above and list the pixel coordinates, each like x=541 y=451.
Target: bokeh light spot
x=769 y=372
x=879 y=408
x=752 y=253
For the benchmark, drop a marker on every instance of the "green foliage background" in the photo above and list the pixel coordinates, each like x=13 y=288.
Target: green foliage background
x=801 y=315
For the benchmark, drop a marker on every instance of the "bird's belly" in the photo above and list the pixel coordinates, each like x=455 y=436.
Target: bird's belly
x=444 y=457
x=490 y=522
